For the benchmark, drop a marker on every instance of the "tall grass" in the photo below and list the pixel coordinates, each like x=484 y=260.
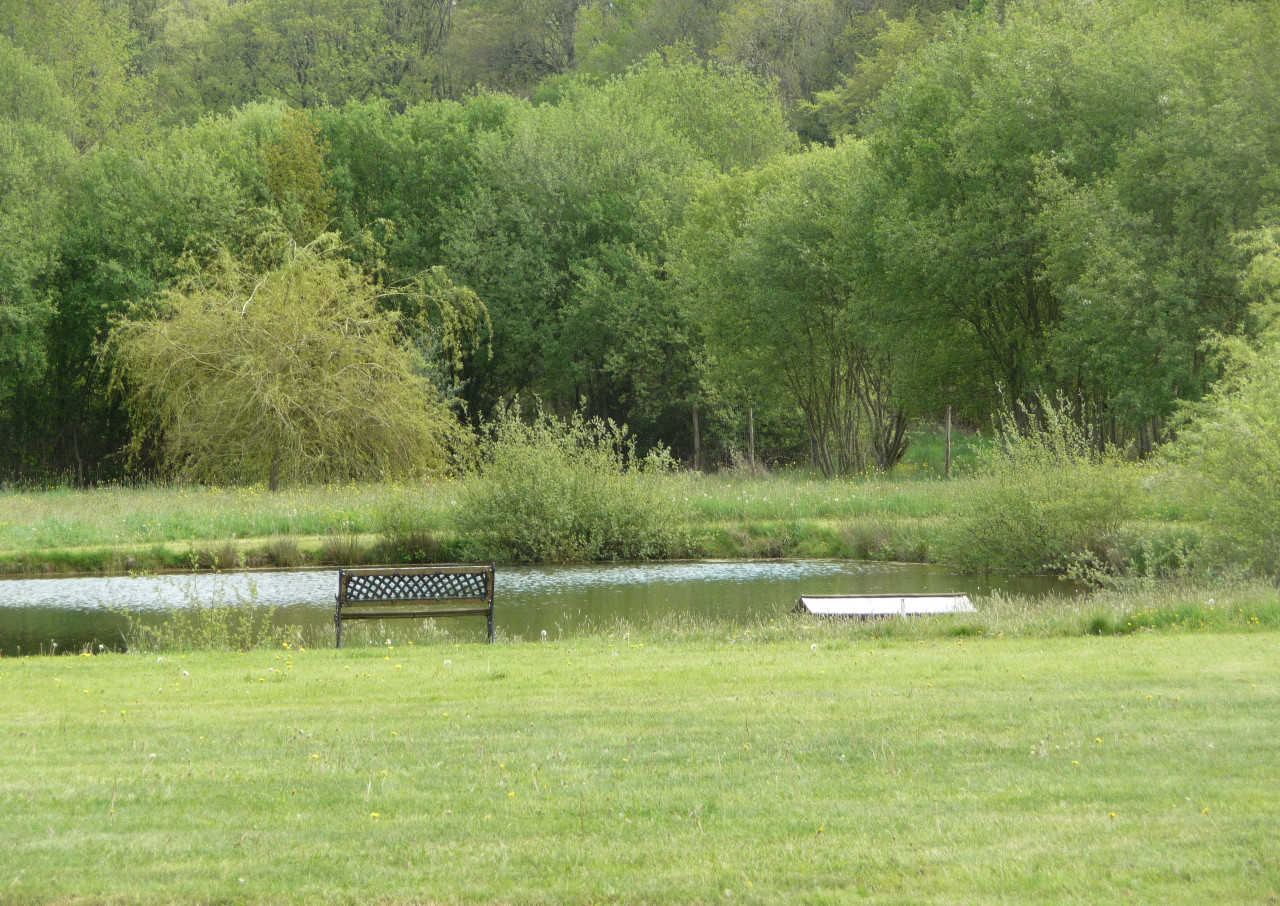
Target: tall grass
x=1046 y=498
x=226 y=620
x=789 y=512
x=555 y=491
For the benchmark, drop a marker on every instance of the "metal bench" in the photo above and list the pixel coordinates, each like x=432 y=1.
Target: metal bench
x=384 y=593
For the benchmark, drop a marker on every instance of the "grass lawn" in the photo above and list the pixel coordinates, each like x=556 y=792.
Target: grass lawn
x=608 y=769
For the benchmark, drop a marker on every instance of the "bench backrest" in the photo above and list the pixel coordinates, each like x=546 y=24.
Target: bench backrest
x=377 y=593
x=414 y=584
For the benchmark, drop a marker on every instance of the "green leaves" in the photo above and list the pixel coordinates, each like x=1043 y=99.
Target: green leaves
x=552 y=491
x=295 y=374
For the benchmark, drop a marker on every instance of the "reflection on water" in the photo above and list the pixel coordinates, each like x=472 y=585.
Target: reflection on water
x=36 y=613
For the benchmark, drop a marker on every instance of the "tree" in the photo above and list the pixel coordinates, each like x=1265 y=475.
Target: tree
x=296 y=178
x=35 y=158
x=565 y=233
x=780 y=294
x=296 y=374
x=1172 y=152
x=1228 y=444
x=90 y=49
x=512 y=45
x=1061 y=181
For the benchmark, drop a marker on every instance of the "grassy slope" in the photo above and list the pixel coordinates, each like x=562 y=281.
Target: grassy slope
x=607 y=770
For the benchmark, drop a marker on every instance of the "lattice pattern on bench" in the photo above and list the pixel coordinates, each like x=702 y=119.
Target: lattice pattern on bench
x=398 y=590
x=416 y=587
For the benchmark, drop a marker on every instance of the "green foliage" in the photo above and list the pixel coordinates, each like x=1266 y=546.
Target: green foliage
x=402 y=175
x=219 y=621
x=293 y=374
x=1044 y=498
x=1059 y=198
x=1040 y=195
x=764 y=260
x=1228 y=445
x=554 y=491
x=839 y=109
x=91 y=50
x=35 y=160
x=566 y=233
x=295 y=164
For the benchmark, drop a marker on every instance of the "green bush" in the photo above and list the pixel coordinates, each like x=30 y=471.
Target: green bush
x=555 y=491
x=1228 y=455
x=1044 y=499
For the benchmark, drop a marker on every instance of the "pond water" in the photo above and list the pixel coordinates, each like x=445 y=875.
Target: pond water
x=38 y=614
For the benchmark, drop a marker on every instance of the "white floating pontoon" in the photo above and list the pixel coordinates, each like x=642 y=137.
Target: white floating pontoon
x=882 y=605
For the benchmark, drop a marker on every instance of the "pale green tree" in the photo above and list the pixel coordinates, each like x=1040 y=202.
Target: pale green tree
x=298 y=374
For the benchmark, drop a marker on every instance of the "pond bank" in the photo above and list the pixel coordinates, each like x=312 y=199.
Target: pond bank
x=76 y=614
x=156 y=528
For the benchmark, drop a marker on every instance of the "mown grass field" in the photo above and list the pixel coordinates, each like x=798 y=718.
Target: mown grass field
x=784 y=768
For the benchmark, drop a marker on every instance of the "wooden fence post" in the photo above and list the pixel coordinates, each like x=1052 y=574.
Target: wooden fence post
x=697 y=441
x=948 y=460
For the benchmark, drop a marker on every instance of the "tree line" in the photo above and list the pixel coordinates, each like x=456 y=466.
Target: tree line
x=830 y=219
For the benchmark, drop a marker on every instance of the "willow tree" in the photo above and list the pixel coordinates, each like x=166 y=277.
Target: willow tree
x=299 y=374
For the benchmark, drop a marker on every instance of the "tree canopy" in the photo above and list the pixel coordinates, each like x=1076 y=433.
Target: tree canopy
x=295 y=374
x=836 y=215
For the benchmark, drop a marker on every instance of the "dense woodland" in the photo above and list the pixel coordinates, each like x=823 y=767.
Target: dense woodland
x=304 y=239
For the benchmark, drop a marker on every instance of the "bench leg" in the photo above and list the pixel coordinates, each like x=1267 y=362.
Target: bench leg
x=337 y=619
x=490 y=624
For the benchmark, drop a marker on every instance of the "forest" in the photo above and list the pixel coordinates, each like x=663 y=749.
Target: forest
x=287 y=241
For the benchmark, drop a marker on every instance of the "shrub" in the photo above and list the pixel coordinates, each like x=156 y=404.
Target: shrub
x=226 y=555
x=555 y=491
x=1228 y=453
x=1044 y=498
x=342 y=547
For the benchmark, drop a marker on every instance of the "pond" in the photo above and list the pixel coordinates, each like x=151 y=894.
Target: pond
x=37 y=615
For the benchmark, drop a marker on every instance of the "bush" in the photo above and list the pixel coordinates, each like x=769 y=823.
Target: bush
x=1228 y=453
x=1044 y=498
x=555 y=491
